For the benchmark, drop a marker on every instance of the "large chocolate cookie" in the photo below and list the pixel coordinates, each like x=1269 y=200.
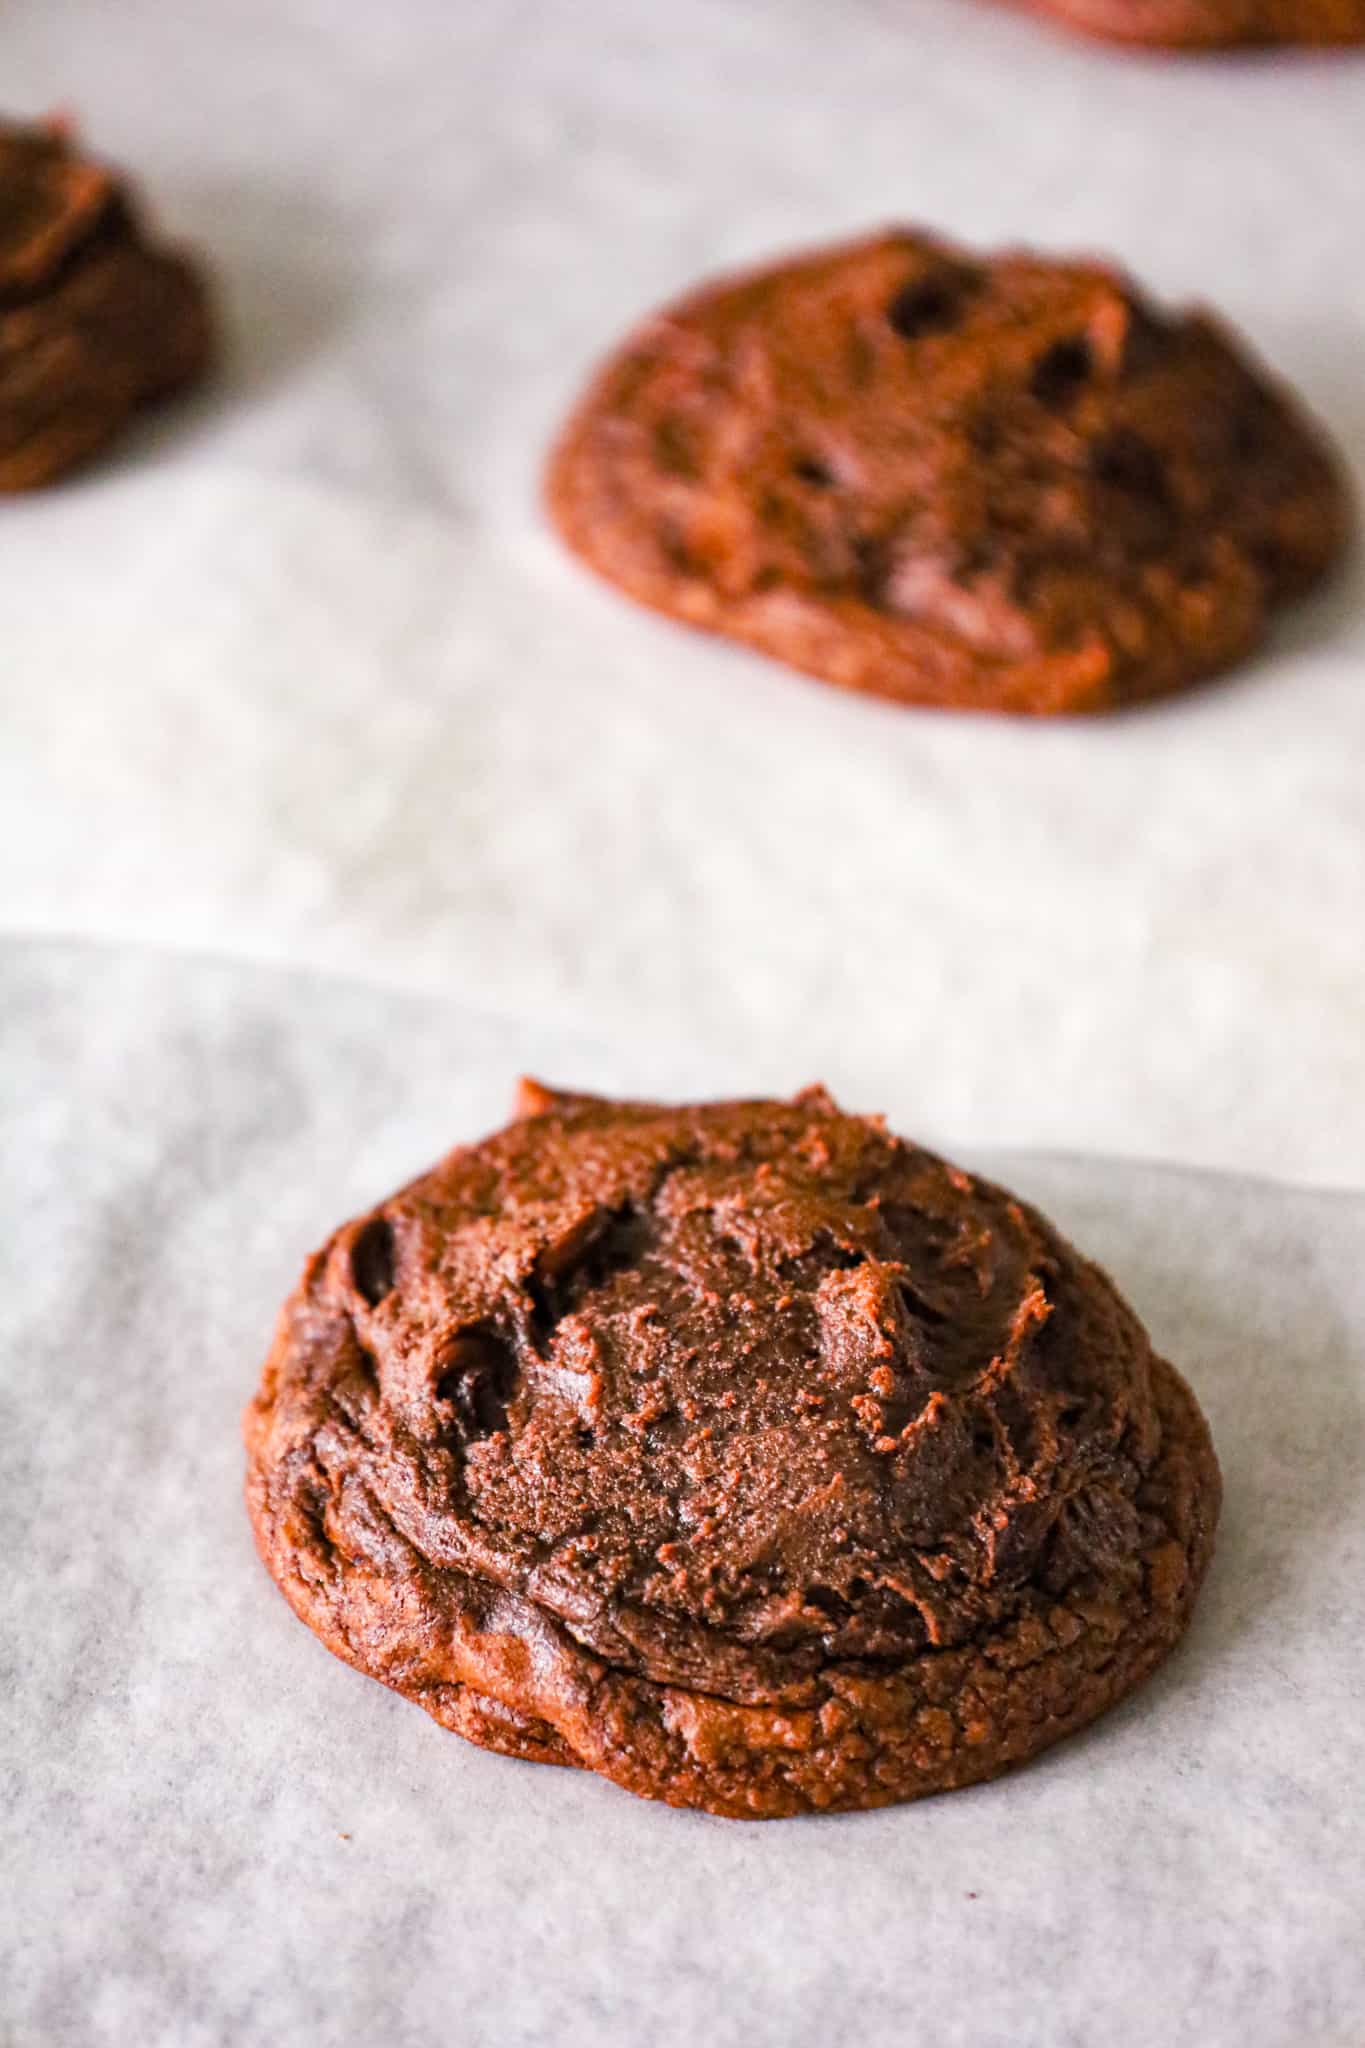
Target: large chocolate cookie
x=1003 y=484
x=744 y=1453
x=1208 y=24
x=94 y=321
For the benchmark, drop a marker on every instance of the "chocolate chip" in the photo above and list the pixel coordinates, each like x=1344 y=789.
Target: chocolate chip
x=478 y=1381
x=809 y=469
x=372 y=1263
x=927 y=305
x=616 y=1239
x=1060 y=374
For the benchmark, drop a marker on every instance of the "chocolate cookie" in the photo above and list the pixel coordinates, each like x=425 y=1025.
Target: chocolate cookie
x=1209 y=24
x=94 y=321
x=1003 y=483
x=746 y=1454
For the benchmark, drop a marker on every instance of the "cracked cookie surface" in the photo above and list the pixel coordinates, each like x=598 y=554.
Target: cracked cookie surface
x=95 y=321
x=1002 y=483
x=744 y=1453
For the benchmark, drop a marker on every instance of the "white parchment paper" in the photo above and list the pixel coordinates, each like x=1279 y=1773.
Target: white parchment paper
x=217 y=1835
x=300 y=676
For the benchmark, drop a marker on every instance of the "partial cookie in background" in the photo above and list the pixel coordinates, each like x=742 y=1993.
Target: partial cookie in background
x=1001 y=483
x=95 y=321
x=1212 y=24
x=745 y=1453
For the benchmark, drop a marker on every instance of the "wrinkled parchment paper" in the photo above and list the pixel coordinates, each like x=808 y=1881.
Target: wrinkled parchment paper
x=216 y=1835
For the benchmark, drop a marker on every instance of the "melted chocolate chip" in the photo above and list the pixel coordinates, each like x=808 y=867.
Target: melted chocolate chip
x=372 y=1261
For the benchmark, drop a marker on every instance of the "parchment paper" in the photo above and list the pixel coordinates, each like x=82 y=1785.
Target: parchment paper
x=300 y=676
x=217 y=1835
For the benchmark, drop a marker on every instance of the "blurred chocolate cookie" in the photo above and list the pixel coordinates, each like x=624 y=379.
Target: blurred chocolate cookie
x=744 y=1453
x=1000 y=483
x=95 y=320
x=1213 y=24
